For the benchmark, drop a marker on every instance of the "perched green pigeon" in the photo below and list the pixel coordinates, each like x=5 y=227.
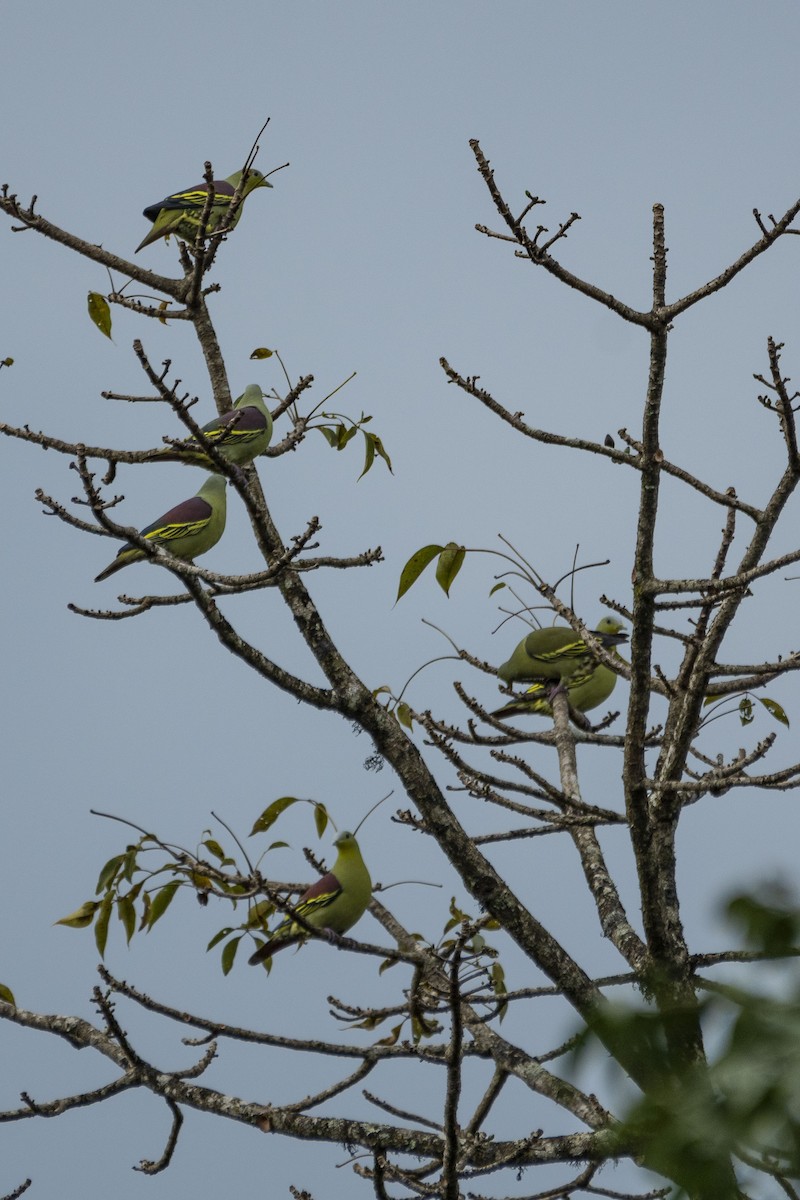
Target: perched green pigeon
x=587 y=687
x=334 y=903
x=240 y=435
x=187 y=530
x=180 y=213
x=556 y=652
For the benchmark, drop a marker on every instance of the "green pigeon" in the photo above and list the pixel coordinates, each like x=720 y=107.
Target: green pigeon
x=333 y=904
x=556 y=652
x=180 y=213
x=187 y=530
x=240 y=435
x=587 y=687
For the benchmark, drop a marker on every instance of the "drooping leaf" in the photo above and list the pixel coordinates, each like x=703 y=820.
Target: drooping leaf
x=403 y=714
x=229 y=954
x=496 y=588
x=321 y=818
x=372 y=446
x=450 y=562
x=262 y=352
x=109 y=872
x=127 y=914
x=218 y=937
x=161 y=901
x=100 y=313
x=101 y=924
x=7 y=995
x=415 y=566
x=82 y=916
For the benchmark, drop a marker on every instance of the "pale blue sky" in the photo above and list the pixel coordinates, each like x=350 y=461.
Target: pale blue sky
x=363 y=257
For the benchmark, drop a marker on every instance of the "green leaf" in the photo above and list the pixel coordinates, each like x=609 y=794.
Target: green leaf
x=6 y=362
x=130 y=864
x=774 y=709
x=161 y=901
x=259 y=914
x=229 y=954
x=109 y=873
x=403 y=714
x=380 y=450
x=127 y=914
x=415 y=566
x=101 y=924
x=82 y=916
x=386 y=965
x=100 y=312
x=213 y=847
x=329 y=435
x=450 y=562
x=496 y=588
x=498 y=978
x=369 y=451
x=7 y=995
x=345 y=435
x=218 y=937
x=271 y=813
x=320 y=818
x=262 y=352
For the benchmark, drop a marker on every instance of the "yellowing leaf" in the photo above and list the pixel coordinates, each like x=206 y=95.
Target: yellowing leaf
x=100 y=313
x=7 y=995
x=82 y=916
x=262 y=352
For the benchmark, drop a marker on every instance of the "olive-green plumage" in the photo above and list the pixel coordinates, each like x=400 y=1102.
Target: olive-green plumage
x=240 y=435
x=586 y=688
x=181 y=212
x=334 y=903
x=556 y=652
x=187 y=530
